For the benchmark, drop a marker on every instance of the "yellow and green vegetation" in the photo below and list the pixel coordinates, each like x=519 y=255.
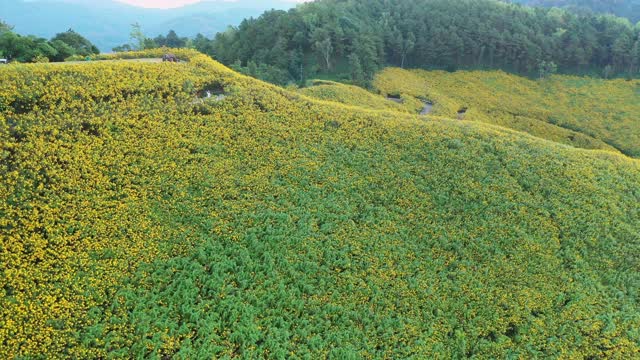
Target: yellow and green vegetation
x=583 y=112
x=141 y=218
x=357 y=96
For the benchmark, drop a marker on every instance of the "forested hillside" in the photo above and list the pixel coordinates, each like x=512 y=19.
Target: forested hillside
x=355 y=38
x=106 y=22
x=182 y=210
x=629 y=9
x=30 y=48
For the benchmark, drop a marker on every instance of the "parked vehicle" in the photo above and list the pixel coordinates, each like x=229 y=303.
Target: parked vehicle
x=170 y=58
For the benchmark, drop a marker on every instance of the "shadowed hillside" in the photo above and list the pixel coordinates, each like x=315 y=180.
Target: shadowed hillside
x=107 y=23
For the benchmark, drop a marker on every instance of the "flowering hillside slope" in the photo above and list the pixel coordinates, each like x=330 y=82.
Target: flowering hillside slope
x=582 y=112
x=142 y=218
x=356 y=96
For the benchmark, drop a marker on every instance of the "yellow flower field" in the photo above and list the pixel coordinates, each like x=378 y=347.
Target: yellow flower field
x=141 y=218
x=582 y=112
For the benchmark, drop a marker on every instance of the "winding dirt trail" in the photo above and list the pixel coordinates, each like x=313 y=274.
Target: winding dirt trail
x=427 y=108
x=147 y=60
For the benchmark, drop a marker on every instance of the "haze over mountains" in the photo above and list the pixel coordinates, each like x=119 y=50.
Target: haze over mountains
x=107 y=23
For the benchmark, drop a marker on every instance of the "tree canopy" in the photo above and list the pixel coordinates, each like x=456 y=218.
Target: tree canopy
x=626 y=8
x=30 y=48
x=328 y=36
x=139 y=41
x=77 y=42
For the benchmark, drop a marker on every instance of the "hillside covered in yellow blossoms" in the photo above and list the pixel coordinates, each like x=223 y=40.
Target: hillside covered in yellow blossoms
x=185 y=211
x=579 y=111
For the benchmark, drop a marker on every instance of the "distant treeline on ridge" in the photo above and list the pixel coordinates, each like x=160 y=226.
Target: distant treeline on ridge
x=355 y=38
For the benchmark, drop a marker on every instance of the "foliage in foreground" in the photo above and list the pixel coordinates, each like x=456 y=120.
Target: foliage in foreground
x=139 y=220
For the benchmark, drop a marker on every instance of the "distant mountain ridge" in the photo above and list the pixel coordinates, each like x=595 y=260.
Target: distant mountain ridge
x=107 y=24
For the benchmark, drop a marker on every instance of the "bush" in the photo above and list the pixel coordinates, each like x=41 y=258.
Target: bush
x=40 y=59
x=75 y=58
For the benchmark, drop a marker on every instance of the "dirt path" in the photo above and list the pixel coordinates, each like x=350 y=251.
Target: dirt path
x=462 y=113
x=427 y=108
x=149 y=60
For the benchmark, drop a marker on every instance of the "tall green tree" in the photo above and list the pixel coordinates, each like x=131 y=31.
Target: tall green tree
x=136 y=37
x=357 y=72
x=325 y=48
x=4 y=27
x=546 y=69
x=77 y=42
x=622 y=56
x=26 y=48
x=31 y=48
x=63 y=50
x=635 y=57
x=174 y=41
x=403 y=45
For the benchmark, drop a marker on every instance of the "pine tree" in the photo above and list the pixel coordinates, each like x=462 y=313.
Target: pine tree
x=137 y=37
x=357 y=73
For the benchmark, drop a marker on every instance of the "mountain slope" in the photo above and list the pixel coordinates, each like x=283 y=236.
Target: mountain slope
x=107 y=24
x=142 y=221
x=578 y=111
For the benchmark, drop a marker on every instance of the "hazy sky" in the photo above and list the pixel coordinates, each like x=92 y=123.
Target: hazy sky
x=165 y=4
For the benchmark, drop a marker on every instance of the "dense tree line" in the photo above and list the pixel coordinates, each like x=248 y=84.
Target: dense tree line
x=30 y=48
x=140 y=42
x=625 y=8
x=355 y=38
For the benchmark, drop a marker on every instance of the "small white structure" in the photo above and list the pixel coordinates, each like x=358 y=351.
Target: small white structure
x=3 y=61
